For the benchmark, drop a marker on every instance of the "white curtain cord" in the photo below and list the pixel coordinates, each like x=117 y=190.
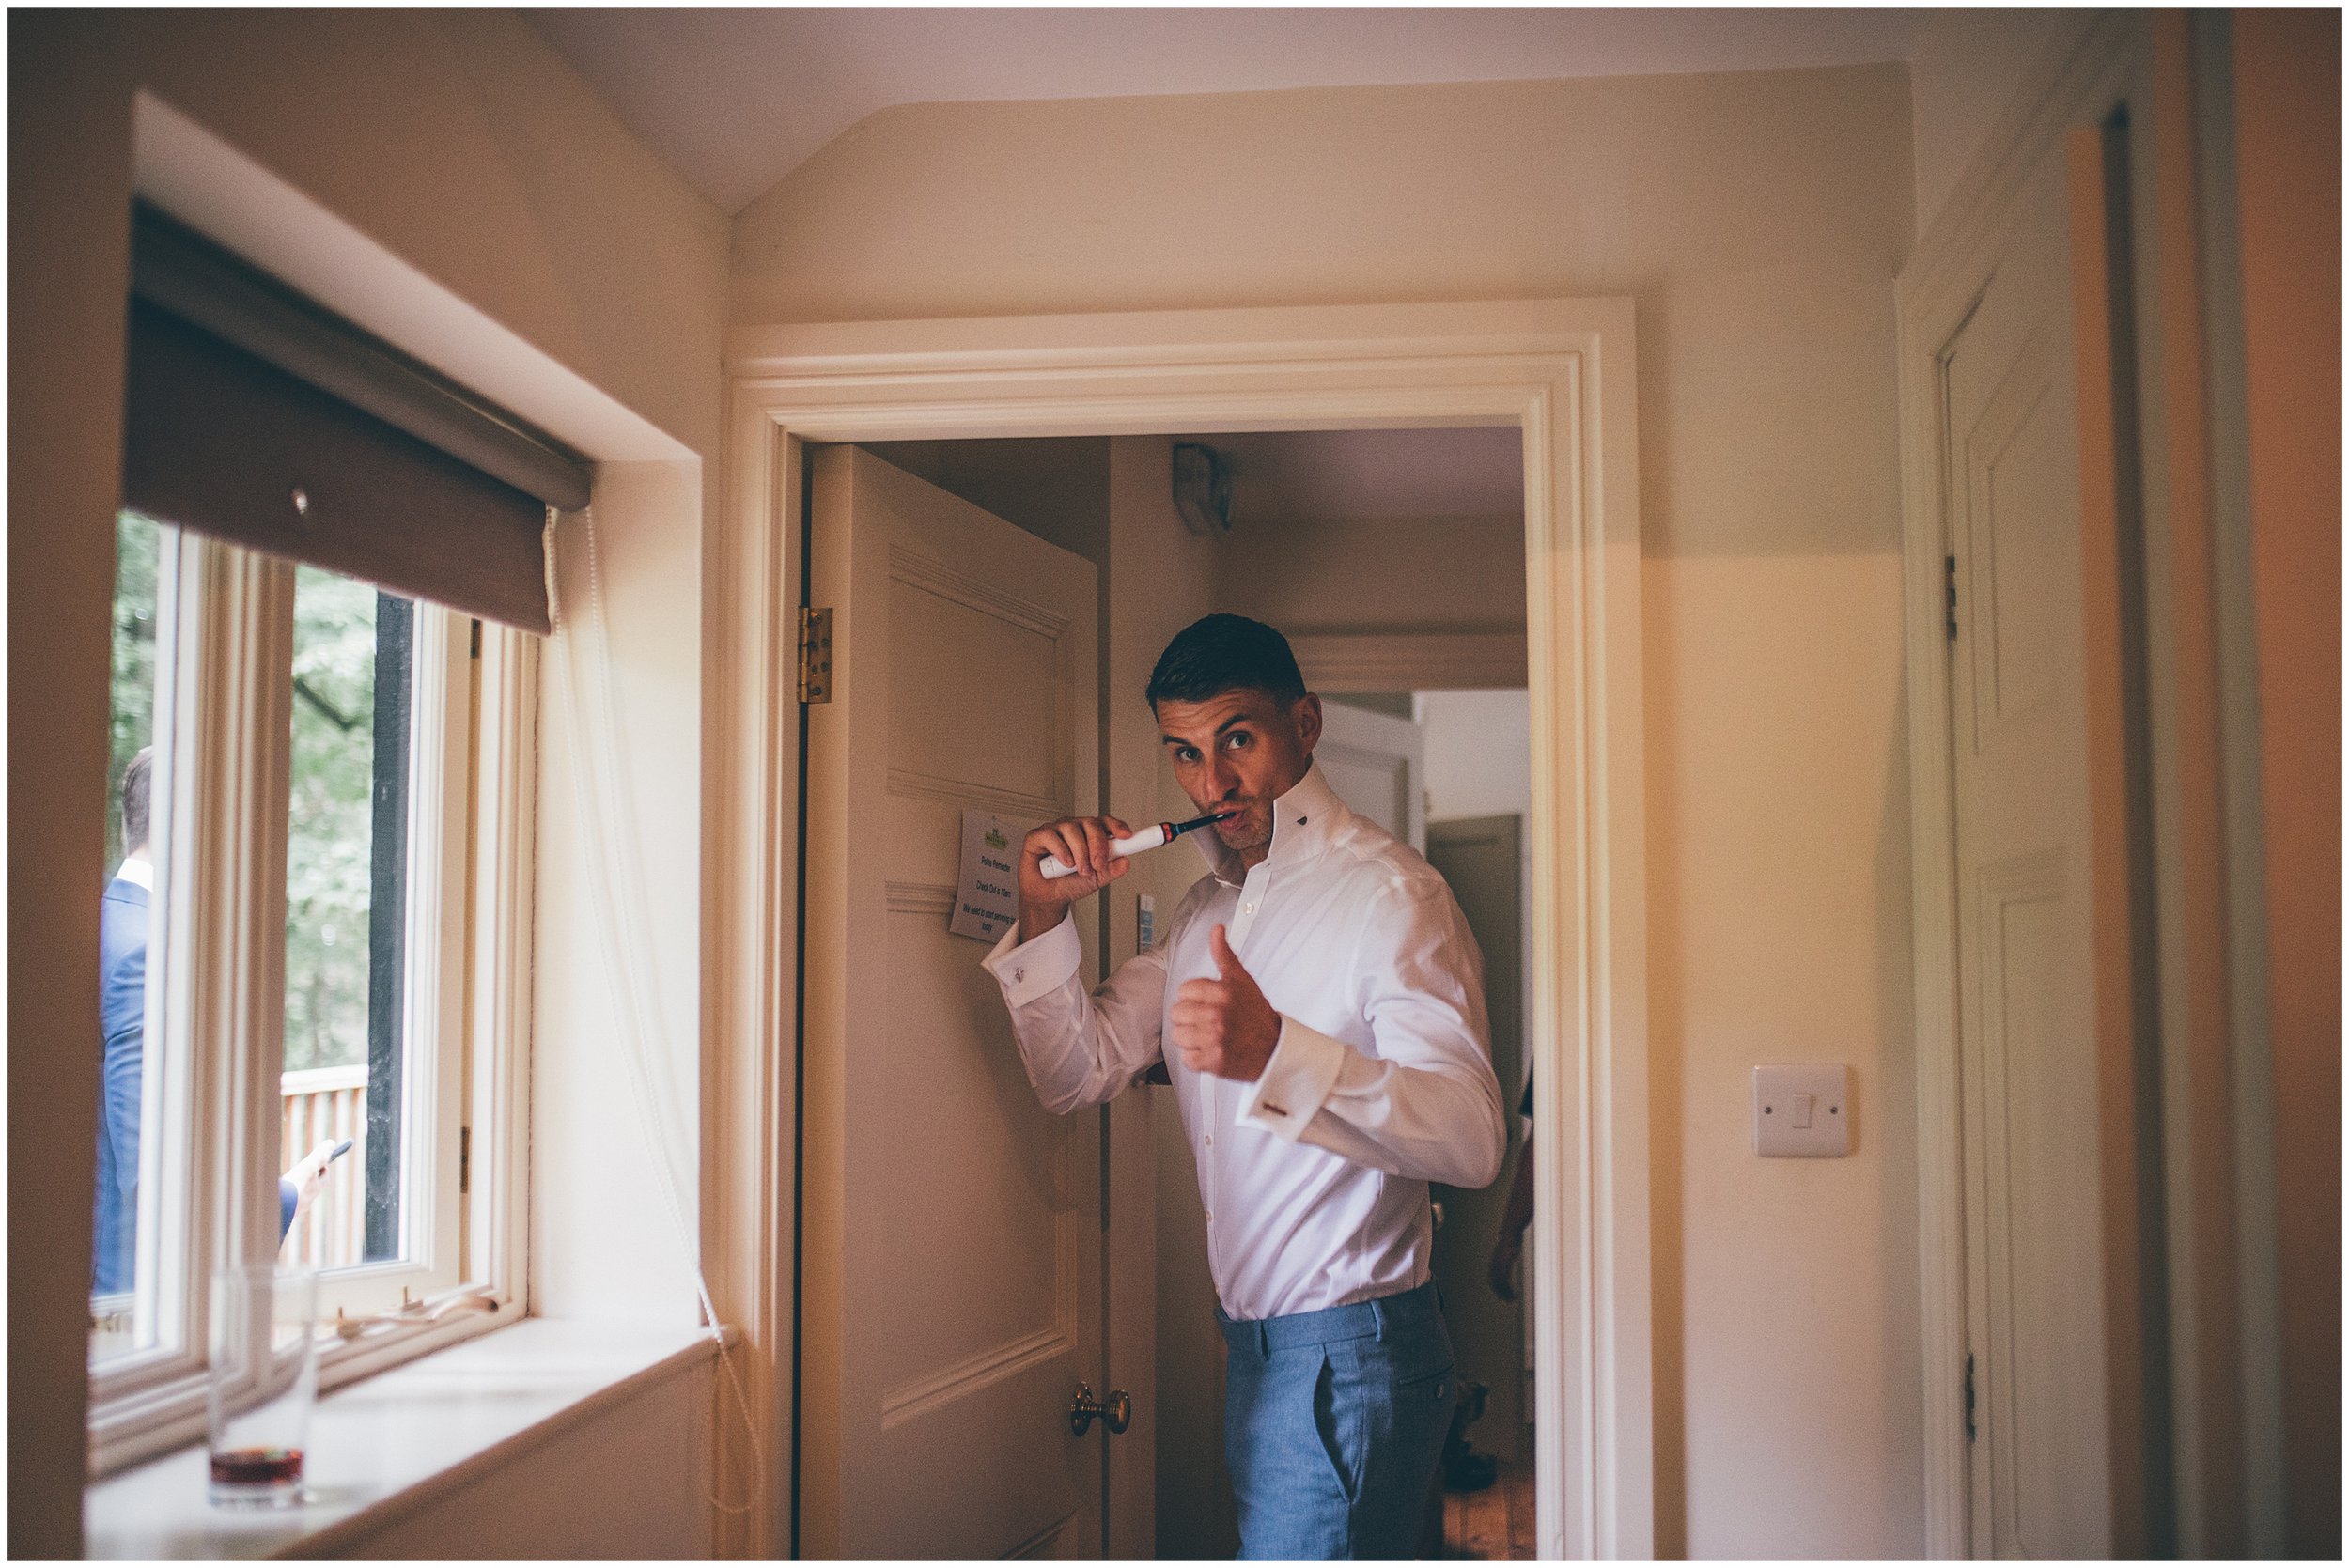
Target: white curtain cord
x=617 y=891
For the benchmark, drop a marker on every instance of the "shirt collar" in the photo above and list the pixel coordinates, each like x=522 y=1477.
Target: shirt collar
x=136 y=872
x=1304 y=820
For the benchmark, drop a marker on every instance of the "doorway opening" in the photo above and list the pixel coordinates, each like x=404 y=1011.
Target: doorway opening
x=1390 y=557
x=1559 y=371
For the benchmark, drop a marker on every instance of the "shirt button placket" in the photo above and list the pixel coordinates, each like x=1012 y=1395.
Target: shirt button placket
x=1207 y=1165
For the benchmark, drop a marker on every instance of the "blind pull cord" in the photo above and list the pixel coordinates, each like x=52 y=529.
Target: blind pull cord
x=613 y=871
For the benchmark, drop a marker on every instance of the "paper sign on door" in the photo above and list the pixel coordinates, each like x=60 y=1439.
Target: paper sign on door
x=987 y=902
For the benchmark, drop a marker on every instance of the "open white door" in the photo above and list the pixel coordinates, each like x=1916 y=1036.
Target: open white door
x=951 y=1285
x=1377 y=764
x=2041 y=1376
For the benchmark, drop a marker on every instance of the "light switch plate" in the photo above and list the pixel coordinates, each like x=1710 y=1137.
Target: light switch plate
x=1780 y=1098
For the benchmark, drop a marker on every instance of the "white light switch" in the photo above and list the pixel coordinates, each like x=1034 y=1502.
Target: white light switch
x=1802 y=1112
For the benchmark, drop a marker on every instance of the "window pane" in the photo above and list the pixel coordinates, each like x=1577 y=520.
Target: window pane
x=122 y=1315
x=346 y=918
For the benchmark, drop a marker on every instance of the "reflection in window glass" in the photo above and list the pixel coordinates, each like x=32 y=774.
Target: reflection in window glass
x=346 y=918
x=136 y=779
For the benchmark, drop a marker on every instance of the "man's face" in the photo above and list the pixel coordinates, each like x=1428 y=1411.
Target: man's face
x=1238 y=752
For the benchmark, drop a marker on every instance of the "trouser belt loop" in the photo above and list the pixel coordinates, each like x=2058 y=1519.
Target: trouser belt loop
x=1379 y=1320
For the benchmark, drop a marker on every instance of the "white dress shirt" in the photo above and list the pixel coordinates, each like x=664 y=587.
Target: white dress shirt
x=1315 y=1177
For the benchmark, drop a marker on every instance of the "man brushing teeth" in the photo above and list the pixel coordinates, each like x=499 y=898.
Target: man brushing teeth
x=1319 y=1007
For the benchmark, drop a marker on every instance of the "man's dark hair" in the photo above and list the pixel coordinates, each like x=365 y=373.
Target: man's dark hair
x=136 y=782
x=1217 y=654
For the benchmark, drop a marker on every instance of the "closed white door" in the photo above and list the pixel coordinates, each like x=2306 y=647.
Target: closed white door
x=2040 y=1461
x=1375 y=762
x=950 y=1294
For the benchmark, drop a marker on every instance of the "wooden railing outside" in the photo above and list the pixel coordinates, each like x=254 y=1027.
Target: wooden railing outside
x=319 y=1103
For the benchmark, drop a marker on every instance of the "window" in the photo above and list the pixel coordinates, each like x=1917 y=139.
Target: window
x=403 y=863
x=388 y=771
x=346 y=907
x=323 y=937
x=376 y=834
x=124 y=1320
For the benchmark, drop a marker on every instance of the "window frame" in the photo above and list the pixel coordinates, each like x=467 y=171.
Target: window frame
x=219 y=993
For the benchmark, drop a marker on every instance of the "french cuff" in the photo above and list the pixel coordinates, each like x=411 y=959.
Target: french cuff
x=1303 y=1069
x=1027 y=970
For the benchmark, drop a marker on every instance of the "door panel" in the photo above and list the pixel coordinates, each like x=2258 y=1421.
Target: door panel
x=979 y=690
x=2018 y=479
x=1374 y=762
x=950 y=1295
x=941 y=1073
x=2044 y=1306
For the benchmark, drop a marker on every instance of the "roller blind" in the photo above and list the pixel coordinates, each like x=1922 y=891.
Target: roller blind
x=254 y=413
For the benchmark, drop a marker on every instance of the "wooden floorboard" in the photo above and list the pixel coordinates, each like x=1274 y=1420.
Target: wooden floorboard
x=1519 y=1479
x=1494 y=1525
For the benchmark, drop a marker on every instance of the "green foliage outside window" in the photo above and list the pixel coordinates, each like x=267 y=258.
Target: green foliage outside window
x=330 y=841
x=138 y=548
x=331 y=830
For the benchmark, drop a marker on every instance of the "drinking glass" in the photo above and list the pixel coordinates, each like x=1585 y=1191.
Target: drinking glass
x=264 y=1380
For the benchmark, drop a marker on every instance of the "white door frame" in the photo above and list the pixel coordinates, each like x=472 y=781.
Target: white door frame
x=1562 y=371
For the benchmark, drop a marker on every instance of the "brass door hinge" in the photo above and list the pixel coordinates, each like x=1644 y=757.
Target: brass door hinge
x=1970 y=1396
x=1949 y=578
x=814 y=655
x=464 y=1159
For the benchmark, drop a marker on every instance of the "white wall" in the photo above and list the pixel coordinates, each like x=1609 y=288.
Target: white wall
x=602 y=1243
x=1967 y=66
x=460 y=143
x=1757 y=221
x=1777 y=857
x=1443 y=575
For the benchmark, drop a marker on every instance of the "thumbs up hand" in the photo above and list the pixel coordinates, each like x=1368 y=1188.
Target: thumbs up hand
x=1224 y=1026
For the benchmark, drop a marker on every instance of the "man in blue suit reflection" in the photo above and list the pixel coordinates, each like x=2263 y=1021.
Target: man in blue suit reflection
x=122 y=1024
x=122 y=933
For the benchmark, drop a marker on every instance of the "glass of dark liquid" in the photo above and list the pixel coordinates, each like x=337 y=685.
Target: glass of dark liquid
x=264 y=1379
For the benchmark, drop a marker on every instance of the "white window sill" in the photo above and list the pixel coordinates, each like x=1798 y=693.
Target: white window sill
x=393 y=1441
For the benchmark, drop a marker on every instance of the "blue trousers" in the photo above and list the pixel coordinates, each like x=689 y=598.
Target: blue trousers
x=1333 y=1424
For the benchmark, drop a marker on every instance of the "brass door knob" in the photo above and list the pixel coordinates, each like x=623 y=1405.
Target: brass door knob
x=1116 y=1413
